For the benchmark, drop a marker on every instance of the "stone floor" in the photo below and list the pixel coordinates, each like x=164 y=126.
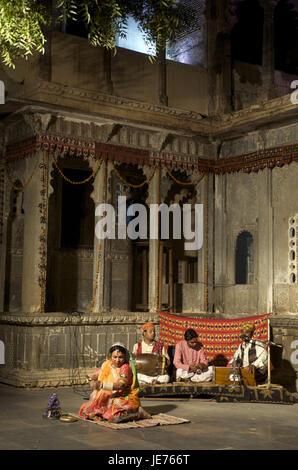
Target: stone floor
x=214 y=426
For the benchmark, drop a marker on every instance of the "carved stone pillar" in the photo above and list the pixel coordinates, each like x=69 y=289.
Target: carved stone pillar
x=265 y=242
x=99 y=196
x=218 y=56
x=202 y=190
x=35 y=206
x=154 y=198
x=220 y=243
x=3 y=232
x=268 y=48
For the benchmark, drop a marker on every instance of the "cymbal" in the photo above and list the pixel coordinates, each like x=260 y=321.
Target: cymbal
x=66 y=418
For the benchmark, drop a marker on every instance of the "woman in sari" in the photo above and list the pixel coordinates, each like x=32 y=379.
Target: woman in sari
x=115 y=395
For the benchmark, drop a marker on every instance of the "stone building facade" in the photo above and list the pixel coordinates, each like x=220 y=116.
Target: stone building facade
x=68 y=144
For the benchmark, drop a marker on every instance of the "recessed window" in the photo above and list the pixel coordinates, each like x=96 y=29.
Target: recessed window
x=244 y=259
x=77 y=212
x=292 y=232
x=292 y=254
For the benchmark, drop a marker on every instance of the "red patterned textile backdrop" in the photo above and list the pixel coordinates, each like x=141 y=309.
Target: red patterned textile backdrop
x=219 y=337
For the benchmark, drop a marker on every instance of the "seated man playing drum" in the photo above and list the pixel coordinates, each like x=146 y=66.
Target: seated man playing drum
x=150 y=347
x=190 y=360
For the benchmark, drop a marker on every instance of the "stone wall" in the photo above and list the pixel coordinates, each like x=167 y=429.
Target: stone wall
x=248 y=84
x=52 y=350
x=58 y=349
x=262 y=204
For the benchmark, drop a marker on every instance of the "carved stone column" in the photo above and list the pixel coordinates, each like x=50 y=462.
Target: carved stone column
x=154 y=198
x=3 y=231
x=204 y=271
x=98 y=196
x=265 y=242
x=268 y=48
x=220 y=243
x=218 y=56
x=107 y=275
x=35 y=234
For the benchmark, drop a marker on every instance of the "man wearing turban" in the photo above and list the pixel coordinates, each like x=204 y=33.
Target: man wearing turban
x=149 y=345
x=251 y=354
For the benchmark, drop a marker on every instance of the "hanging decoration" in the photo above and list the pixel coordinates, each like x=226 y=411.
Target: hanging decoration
x=25 y=185
x=43 y=235
x=135 y=186
x=86 y=180
x=184 y=183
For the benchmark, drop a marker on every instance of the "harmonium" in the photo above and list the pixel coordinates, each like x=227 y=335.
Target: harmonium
x=229 y=376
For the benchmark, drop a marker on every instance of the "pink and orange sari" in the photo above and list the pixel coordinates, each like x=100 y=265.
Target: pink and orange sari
x=113 y=405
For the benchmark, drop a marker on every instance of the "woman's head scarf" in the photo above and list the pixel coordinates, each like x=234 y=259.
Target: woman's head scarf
x=130 y=361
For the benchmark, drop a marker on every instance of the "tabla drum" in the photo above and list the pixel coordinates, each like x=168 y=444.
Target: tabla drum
x=150 y=364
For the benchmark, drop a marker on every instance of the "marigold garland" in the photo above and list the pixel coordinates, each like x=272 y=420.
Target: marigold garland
x=184 y=183
x=43 y=221
x=135 y=186
x=24 y=186
x=93 y=174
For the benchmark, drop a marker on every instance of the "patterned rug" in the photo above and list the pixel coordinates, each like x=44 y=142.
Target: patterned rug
x=222 y=393
x=158 y=420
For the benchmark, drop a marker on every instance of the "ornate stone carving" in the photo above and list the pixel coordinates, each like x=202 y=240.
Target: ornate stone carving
x=107 y=132
x=160 y=140
x=39 y=122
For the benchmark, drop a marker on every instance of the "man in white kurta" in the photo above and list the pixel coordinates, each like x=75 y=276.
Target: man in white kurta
x=252 y=354
x=148 y=345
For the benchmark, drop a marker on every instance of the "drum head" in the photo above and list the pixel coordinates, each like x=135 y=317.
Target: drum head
x=150 y=364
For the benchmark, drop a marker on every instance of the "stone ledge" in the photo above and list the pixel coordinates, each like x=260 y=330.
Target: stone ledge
x=277 y=321
x=123 y=317
x=44 y=378
x=77 y=318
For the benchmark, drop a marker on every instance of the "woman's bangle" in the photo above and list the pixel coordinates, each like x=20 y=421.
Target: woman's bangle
x=107 y=386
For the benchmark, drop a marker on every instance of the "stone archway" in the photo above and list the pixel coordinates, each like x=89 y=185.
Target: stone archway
x=70 y=238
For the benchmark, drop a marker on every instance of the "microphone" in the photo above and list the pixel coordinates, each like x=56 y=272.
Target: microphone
x=243 y=337
x=270 y=342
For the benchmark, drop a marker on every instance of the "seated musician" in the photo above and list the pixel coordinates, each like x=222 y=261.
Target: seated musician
x=114 y=395
x=190 y=360
x=251 y=354
x=149 y=345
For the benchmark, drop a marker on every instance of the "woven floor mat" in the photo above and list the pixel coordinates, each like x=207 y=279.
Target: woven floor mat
x=157 y=420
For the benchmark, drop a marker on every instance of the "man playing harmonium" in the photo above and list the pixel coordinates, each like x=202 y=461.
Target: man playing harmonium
x=251 y=354
x=190 y=360
x=150 y=346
